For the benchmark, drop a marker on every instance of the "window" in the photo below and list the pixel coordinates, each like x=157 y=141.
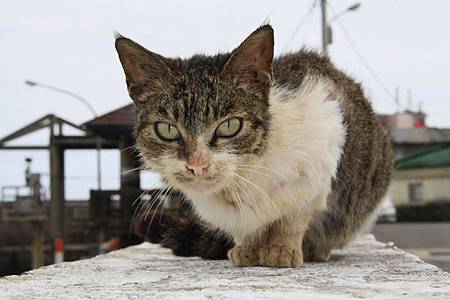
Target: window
x=415 y=193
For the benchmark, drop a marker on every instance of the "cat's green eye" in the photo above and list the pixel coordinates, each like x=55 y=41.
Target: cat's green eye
x=167 y=131
x=229 y=128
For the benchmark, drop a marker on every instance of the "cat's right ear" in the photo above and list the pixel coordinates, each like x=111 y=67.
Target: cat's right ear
x=145 y=71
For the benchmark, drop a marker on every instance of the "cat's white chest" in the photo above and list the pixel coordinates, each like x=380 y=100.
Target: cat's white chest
x=249 y=203
x=236 y=211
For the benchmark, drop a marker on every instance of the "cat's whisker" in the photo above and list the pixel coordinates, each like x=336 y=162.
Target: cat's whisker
x=250 y=197
x=140 y=205
x=246 y=192
x=153 y=201
x=244 y=212
x=246 y=169
x=236 y=182
x=134 y=220
x=153 y=168
x=161 y=201
x=170 y=198
x=251 y=183
x=132 y=170
x=149 y=206
x=140 y=196
x=133 y=147
x=314 y=167
x=254 y=206
x=153 y=215
x=265 y=196
x=137 y=209
x=264 y=168
x=240 y=207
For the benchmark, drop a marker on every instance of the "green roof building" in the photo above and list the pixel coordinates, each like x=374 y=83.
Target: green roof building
x=422 y=178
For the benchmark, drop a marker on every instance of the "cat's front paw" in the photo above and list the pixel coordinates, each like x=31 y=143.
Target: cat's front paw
x=243 y=256
x=280 y=256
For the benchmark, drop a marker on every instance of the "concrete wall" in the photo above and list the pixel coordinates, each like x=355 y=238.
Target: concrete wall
x=366 y=269
x=435 y=184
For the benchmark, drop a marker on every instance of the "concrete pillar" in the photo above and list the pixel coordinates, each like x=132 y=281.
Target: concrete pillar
x=128 y=161
x=130 y=183
x=38 y=254
x=57 y=205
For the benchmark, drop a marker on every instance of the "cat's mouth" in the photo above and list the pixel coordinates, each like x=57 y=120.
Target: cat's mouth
x=202 y=183
x=198 y=183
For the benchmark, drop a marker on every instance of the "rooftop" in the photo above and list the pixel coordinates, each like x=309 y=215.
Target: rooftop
x=113 y=124
x=428 y=159
x=367 y=269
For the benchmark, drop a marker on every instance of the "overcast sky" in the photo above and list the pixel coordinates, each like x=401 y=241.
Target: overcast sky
x=69 y=44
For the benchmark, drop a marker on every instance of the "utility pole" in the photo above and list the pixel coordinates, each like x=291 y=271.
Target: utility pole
x=325 y=35
x=397 y=98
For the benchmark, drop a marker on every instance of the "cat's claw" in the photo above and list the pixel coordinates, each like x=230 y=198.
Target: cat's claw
x=243 y=256
x=280 y=256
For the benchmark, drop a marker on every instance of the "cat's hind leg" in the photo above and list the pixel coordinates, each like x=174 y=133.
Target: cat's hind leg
x=315 y=253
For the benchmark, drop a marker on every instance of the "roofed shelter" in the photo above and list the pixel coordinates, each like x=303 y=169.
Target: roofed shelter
x=118 y=126
x=113 y=130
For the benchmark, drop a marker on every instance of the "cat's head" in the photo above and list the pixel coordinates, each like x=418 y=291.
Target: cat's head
x=201 y=120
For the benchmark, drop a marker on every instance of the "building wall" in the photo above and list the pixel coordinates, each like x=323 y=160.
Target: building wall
x=403 y=120
x=434 y=182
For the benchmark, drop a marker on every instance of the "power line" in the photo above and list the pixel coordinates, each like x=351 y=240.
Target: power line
x=364 y=61
x=299 y=26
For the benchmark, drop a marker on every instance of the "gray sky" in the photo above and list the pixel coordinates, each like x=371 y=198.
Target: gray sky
x=69 y=44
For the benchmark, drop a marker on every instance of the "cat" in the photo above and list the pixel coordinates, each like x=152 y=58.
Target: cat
x=282 y=159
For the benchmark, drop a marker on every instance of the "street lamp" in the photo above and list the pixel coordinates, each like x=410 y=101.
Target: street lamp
x=354 y=7
x=59 y=90
x=89 y=106
x=326 y=28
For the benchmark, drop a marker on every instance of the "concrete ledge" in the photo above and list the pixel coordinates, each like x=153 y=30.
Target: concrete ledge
x=366 y=269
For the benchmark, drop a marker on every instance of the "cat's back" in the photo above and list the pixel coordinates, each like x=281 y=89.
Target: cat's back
x=291 y=69
x=294 y=69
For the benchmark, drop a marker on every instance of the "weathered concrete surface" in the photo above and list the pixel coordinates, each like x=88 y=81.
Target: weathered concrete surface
x=429 y=241
x=367 y=269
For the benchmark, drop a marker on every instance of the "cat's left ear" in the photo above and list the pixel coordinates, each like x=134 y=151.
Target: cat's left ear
x=251 y=62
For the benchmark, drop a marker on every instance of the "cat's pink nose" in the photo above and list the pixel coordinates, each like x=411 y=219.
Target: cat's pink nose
x=198 y=169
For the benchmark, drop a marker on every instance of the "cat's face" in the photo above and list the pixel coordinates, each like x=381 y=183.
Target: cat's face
x=198 y=134
x=200 y=121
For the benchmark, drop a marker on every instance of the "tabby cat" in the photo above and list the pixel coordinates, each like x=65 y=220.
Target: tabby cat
x=282 y=159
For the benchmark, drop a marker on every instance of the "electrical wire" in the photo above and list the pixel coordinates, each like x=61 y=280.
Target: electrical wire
x=364 y=61
x=299 y=26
